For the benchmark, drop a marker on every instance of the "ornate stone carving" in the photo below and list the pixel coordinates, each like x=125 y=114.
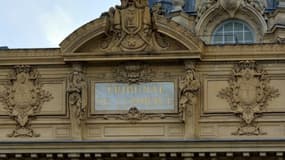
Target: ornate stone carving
x=77 y=97
x=133 y=72
x=131 y=28
x=189 y=86
x=204 y=6
x=230 y=6
x=257 y=4
x=248 y=95
x=23 y=98
x=133 y=115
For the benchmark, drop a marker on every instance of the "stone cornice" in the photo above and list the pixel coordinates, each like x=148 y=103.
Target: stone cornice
x=31 y=56
x=209 y=53
x=161 y=146
x=244 y=52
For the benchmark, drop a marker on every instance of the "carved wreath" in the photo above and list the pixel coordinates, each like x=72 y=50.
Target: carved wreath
x=248 y=94
x=23 y=98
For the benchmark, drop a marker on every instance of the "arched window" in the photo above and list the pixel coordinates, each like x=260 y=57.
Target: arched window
x=233 y=32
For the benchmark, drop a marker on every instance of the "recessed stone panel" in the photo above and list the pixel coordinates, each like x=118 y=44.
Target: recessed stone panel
x=213 y=103
x=57 y=105
x=134 y=131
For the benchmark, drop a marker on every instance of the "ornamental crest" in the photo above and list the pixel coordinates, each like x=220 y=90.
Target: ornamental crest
x=248 y=95
x=23 y=99
x=131 y=28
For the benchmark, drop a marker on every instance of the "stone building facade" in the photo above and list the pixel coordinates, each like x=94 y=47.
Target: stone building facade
x=160 y=80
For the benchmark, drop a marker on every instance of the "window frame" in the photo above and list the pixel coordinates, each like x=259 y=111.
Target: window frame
x=232 y=33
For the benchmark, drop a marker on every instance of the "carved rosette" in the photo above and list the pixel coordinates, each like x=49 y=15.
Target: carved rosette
x=131 y=28
x=248 y=95
x=23 y=98
x=133 y=72
x=77 y=94
x=189 y=86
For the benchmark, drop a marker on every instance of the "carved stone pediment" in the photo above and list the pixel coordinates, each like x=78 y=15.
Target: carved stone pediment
x=24 y=98
x=248 y=95
x=131 y=28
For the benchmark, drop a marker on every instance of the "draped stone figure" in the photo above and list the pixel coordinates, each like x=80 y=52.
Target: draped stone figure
x=77 y=98
x=189 y=86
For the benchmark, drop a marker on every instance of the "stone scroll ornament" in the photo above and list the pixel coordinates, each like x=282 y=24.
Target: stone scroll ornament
x=189 y=86
x=77 y=95
x=23 y=98
x=248 y=95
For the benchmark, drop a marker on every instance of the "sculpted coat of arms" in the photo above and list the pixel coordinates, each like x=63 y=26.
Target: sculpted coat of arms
x=131 y=28
x=23 y=98
x=248 y=95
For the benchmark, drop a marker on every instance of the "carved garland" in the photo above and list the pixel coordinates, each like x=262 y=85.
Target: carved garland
x=248 y=95
x=23 y=98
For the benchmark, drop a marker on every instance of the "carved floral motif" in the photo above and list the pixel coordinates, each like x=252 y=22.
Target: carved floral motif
x=248 y=95
x=23 y=98
x=133 y=72
x=131 y=28
x=189 y=86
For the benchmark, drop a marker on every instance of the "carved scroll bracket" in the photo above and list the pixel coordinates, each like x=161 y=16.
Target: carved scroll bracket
x=248 y=95
x=189 y=86
x=77 y=98
x=23 y=98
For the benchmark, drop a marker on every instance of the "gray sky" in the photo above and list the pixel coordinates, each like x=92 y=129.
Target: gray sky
x=45 y=23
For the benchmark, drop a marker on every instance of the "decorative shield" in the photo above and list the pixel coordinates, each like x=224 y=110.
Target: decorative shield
x=24 y=98
x=131 y=20
x=248 y=92
x=248 y=95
